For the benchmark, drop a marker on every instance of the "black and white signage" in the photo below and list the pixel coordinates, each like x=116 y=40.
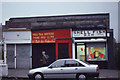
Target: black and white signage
x=89 y=33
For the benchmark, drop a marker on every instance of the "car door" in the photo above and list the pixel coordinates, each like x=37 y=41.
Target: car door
x=80 y=68
x=72 y=67
x=69 y=69
x=55 y=70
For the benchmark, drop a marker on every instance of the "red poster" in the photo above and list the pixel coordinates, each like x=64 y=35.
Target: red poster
x=50 y=36
x=81 y=49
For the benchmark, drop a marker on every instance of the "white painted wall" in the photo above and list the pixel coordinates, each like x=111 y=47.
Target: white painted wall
x=17 y=37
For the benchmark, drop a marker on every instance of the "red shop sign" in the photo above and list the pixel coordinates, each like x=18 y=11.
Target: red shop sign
x=50 y=36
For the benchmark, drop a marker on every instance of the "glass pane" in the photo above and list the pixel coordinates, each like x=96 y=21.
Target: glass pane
x=78 y=64
x=58 y=64
x=70 y=63
x=81 y=52
x=96 y=53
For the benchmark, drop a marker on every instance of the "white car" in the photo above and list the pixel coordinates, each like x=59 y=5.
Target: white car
x=65 y=68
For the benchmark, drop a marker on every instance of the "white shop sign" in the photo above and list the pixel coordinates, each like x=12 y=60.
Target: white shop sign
x=89 y=33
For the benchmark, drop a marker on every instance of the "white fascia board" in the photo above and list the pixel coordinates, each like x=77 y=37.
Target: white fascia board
x=17 y=35
x=17 y=41
x=91 y=40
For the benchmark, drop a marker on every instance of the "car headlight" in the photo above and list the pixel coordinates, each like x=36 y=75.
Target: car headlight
x=31 y=71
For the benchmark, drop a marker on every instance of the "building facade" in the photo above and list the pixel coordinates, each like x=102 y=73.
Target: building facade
x=17 y=48
x=84 y=37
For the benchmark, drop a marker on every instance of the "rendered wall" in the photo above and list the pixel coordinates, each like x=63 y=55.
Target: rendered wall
x=17 y=37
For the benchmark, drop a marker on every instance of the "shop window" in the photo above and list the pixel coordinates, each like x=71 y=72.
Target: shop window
x=81 y=52
x=96 y=51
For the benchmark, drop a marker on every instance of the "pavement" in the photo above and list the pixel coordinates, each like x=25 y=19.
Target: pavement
x=108 y=73
x=104 y=73
x=18 y=73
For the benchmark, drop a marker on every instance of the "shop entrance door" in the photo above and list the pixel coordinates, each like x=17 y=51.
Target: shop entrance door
x=81 y=51
x=63 y=50
x=23 y=56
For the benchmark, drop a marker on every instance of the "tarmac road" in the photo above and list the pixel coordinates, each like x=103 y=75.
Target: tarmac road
x=61 y=79
x=21 y=74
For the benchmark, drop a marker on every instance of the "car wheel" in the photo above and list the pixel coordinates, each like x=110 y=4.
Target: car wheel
x=38 y=76
x=81 y=77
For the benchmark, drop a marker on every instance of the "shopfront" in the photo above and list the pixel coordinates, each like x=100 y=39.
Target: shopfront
x=17 y=47
x=91 y=46
x=87 y=37
x=56 y=43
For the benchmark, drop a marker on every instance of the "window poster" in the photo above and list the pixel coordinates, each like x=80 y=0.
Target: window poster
x=81 y=52
x=96 y=53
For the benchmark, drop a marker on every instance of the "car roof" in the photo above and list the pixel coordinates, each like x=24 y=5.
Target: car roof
x=72 y=59
x=68 y=59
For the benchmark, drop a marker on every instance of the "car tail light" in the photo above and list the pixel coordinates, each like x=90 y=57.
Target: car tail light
x=97 y=68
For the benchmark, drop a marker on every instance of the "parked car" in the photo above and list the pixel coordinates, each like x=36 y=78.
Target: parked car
x=65 y=68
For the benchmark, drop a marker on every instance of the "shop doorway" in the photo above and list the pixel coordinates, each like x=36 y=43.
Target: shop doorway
x=63 y=50
x=80 y=51
x=22 y=56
